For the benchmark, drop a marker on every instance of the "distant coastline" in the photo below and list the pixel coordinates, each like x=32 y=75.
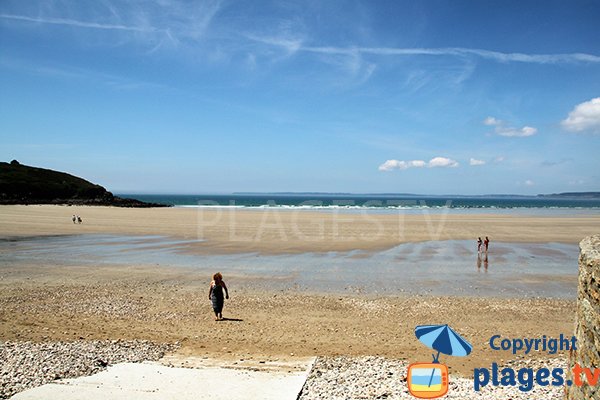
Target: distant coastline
x=573 y=195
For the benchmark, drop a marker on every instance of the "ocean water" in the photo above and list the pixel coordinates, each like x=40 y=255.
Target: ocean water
x=381 y=202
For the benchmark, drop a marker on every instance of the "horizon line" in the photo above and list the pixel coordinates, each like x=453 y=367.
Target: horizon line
x=305 y=193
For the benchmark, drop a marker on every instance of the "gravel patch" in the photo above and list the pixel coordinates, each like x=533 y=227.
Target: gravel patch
x=336 y=378
x=24 y=365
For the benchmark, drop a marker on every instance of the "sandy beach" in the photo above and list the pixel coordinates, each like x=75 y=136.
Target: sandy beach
x=50 y=301
x=292 y=231
x=68 y=303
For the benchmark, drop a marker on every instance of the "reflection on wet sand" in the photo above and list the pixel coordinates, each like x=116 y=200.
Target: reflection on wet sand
x=485 y=262
x=432 y=267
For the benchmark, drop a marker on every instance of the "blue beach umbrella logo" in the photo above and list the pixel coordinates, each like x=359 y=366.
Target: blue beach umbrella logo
x=430 y=380
x=443 y=339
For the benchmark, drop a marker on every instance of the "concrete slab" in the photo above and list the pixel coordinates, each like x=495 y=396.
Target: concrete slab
x=153 y=381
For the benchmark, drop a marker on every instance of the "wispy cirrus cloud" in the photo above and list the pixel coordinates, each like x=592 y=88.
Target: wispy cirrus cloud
x=289 y=44
x=363 y=60
x=462 y=52
x=179 y=20
x=447 y=51
x=78 y=24
x=162 y=21
x=292 y=41
x=190 y=19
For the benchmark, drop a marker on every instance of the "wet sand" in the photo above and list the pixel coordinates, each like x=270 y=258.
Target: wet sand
x=444 y=267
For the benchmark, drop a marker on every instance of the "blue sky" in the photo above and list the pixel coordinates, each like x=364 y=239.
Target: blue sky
x=461 y=97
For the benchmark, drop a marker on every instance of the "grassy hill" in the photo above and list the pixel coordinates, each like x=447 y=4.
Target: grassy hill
x=22 y=184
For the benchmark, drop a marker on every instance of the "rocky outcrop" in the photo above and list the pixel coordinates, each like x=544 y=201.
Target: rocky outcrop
x=22 y=184
x=587 y=325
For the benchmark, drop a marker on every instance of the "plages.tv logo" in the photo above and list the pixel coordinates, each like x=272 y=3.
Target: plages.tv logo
x=429 y=380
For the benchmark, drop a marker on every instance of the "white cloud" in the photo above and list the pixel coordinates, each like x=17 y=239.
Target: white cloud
x=516 y=132
x=585 y=117
x=499 y=159
x=474 y=161
x=417 y=163
x=444 y=162
x=502 y=129
x=491 y=121
x=390 y=165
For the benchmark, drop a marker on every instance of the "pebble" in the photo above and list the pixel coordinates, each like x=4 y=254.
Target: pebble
x=350 y=378
x=24 y=365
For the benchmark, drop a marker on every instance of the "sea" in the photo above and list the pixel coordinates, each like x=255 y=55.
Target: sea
x=382 y=203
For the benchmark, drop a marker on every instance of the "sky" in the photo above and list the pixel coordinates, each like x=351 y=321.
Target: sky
x=428 y=97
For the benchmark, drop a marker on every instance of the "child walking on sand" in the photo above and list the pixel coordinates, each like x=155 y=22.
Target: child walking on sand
x=215 y=295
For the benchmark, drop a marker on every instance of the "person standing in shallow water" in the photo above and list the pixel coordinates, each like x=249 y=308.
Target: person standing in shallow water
x=486 y=244
x=215 y=295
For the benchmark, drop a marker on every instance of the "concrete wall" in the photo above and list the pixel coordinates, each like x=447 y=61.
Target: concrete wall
x=587 y=324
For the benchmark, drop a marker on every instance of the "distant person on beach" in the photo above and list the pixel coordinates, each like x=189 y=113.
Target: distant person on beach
x=486 y=244
x=479 y=243
x=74 y=218
x=215 y=295
x=79 y=220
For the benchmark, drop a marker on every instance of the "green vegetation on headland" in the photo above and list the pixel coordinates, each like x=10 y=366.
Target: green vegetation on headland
x=22 y=184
